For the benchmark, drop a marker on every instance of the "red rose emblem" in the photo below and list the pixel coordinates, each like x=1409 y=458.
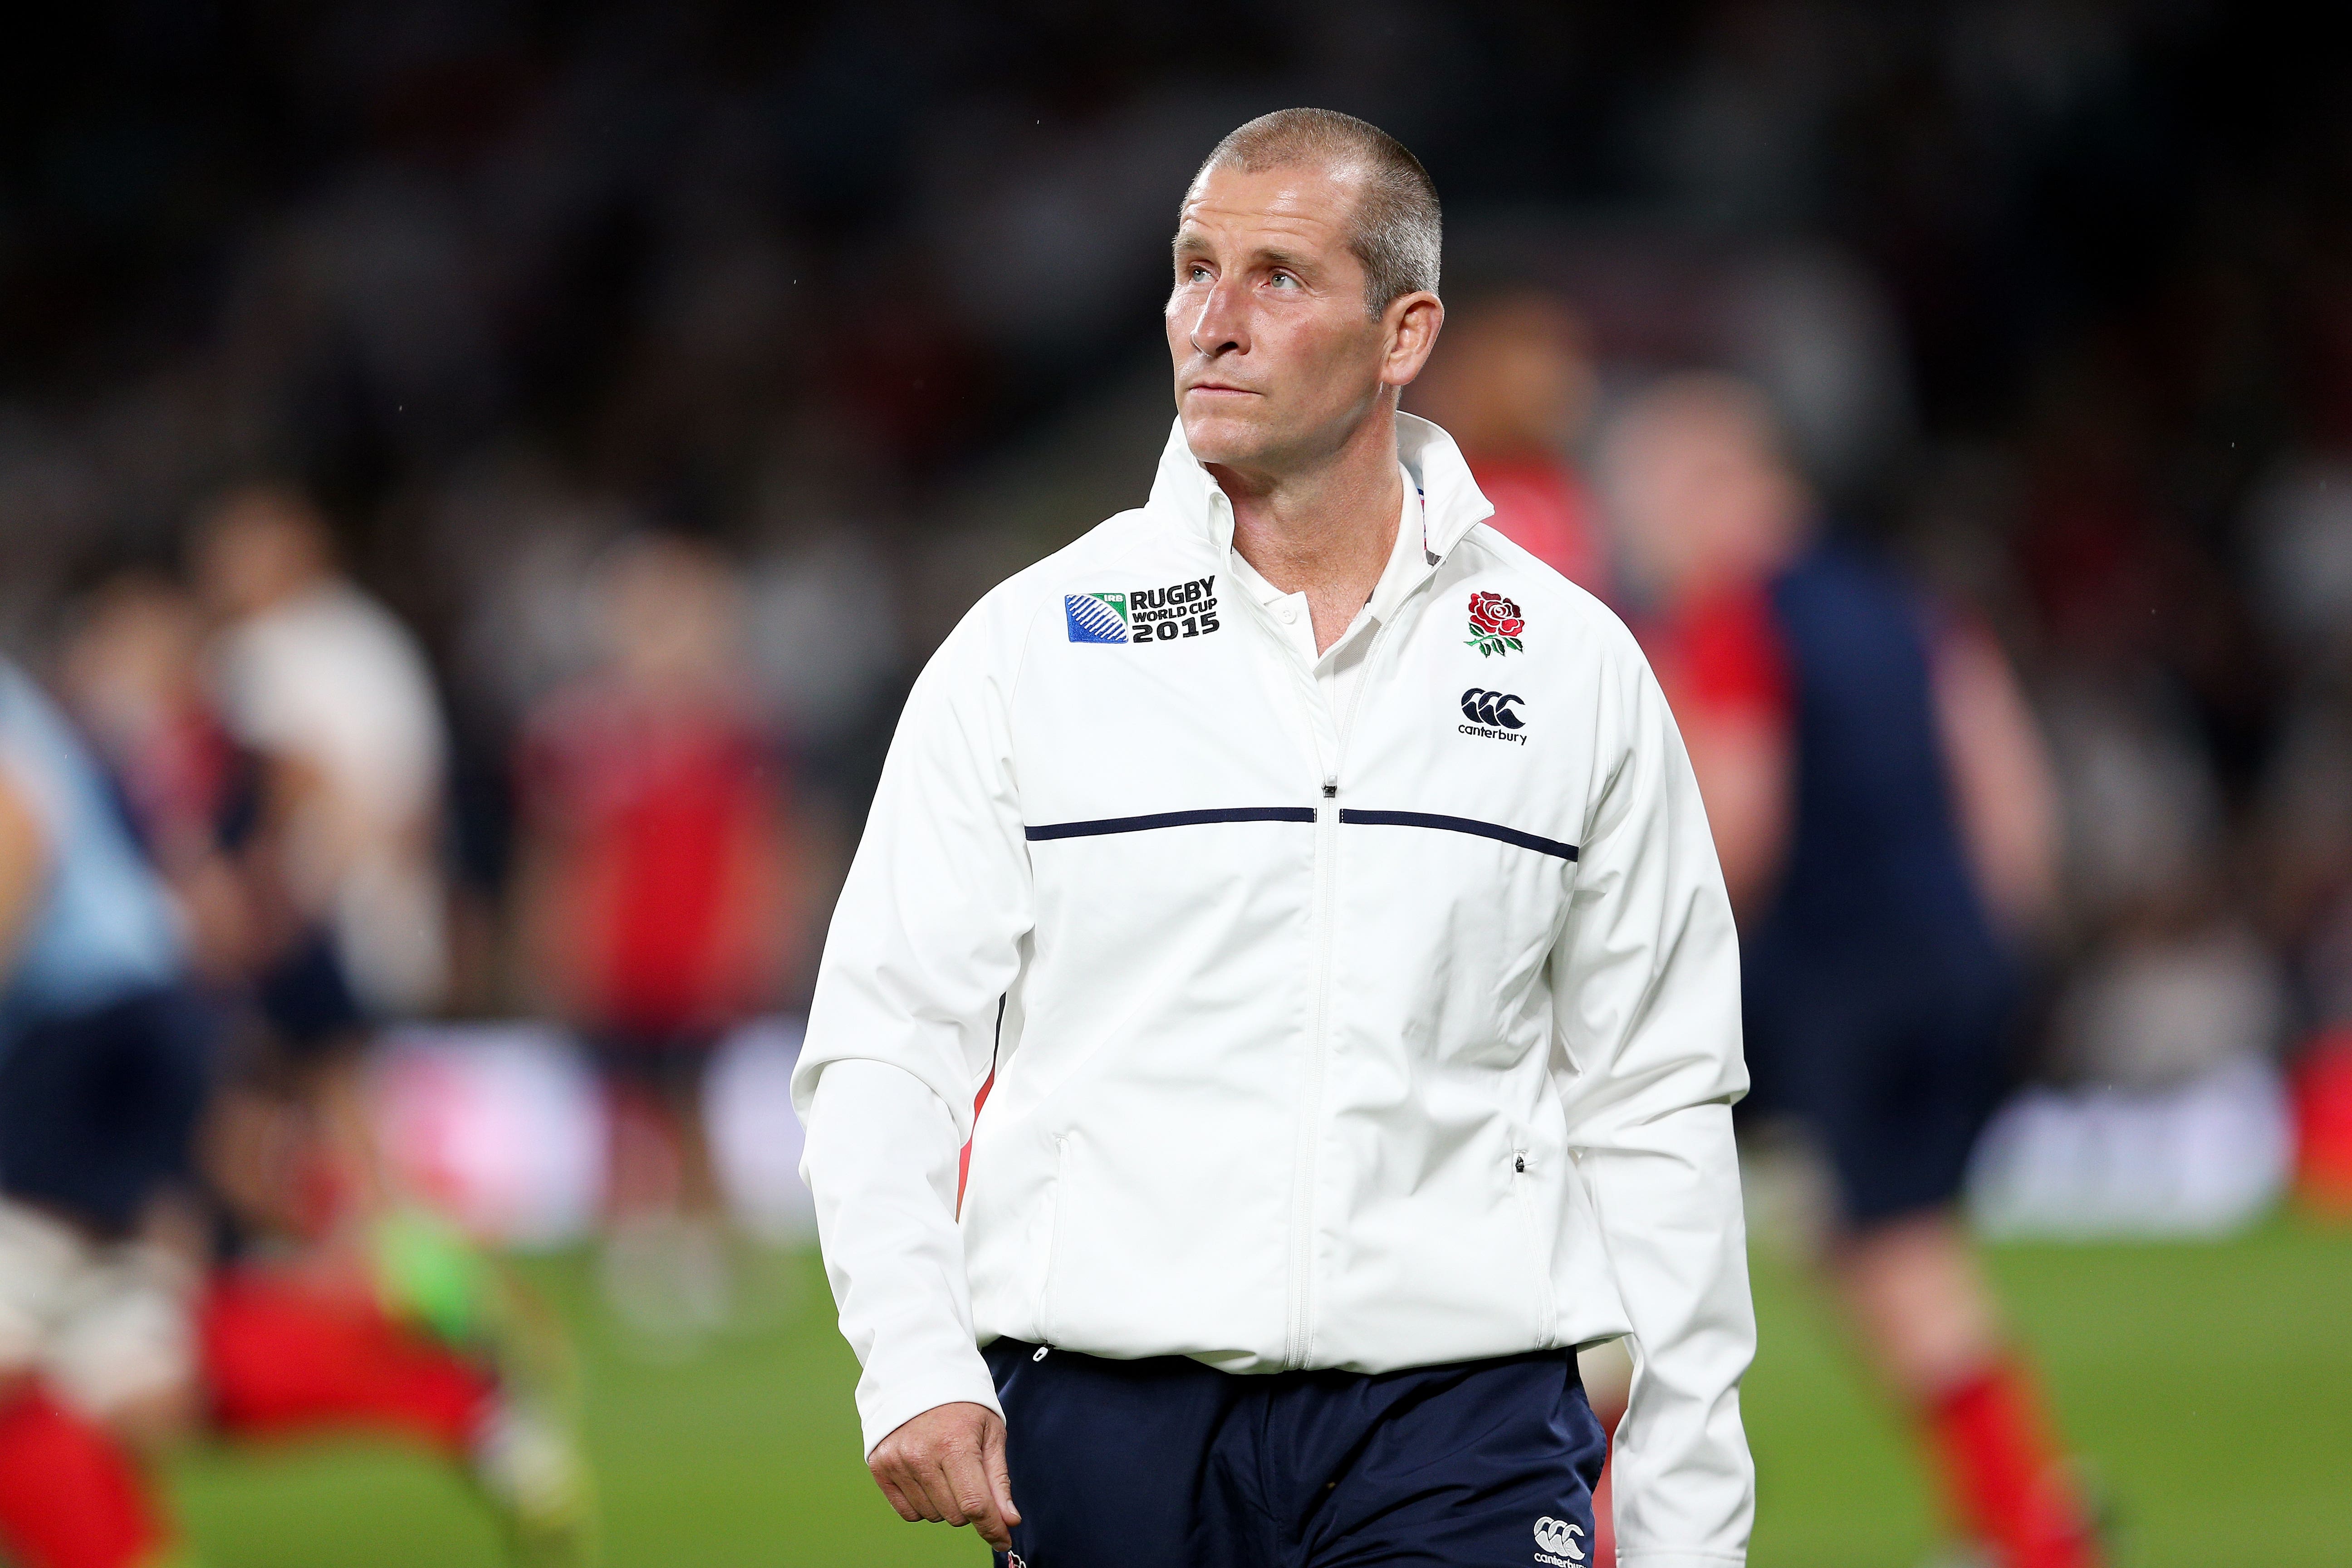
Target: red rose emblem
x=1493 y=616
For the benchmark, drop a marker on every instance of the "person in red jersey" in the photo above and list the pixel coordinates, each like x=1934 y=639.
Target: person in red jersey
x=653 y=895
x=1883 y=817
x=1513 y=382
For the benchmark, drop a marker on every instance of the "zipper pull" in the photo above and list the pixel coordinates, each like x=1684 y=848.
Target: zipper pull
x=1331 y=789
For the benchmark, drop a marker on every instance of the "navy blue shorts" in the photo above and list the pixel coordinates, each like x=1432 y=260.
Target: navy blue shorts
x=98 y=1111
x=1165 y=1463
x=1893 y=1086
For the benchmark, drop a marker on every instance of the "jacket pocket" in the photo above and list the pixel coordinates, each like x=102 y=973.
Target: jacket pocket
x=1053 y=1243
x=1538 y=1255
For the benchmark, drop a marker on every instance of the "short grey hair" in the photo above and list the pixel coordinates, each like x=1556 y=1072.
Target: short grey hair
x=1397 y=229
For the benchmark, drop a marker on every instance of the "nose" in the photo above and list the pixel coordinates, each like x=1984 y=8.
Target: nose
x=1221 y=325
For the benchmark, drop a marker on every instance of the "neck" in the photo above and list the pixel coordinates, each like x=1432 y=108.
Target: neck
x=1326 y=528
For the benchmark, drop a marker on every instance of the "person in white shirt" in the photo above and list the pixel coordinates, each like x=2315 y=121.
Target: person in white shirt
x=1294 y=902
x=336 y=695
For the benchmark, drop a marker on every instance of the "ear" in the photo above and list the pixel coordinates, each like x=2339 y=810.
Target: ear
x=1409 y=329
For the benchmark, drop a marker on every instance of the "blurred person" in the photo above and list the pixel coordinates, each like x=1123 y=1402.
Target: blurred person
x=200 y=802
x=132 y=674
x=336 y=696
x=442 y=1350
x=1513 y=385
x=1883 y=815
x=333 y=698
x=103 y=1065
x=1353 y=1001
x=654 y=888
x=134 y=677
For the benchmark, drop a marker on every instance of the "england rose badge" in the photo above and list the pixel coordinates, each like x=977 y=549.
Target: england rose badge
x=1495 y=625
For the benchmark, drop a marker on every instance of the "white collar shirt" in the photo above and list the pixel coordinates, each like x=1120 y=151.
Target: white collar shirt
x=1338 y=668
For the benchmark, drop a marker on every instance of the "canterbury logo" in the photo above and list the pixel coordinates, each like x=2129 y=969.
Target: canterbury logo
x=1558 y=1535
x=1492 y=707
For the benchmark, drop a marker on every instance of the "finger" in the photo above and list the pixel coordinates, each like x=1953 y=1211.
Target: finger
x=915 y=1482
x=939 y=1500
x=1000 y=1473
x=897 y=1499
x=975 y=1497
x=994 y=1531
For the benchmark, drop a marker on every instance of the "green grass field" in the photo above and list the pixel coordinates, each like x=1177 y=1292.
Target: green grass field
x=2211 y=1388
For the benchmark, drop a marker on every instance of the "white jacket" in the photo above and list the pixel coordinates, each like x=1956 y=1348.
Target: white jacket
x=1424 y=1055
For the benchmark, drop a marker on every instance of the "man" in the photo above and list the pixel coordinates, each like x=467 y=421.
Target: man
x=1322 y=880
x=336 y=697
x=1884 y=819
x=652 y=888
x=102 y=1073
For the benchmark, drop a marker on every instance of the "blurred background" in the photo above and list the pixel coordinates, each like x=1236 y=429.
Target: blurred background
x=472 y=475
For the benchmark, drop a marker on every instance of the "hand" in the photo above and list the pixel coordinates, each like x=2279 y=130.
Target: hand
x=947 y=1465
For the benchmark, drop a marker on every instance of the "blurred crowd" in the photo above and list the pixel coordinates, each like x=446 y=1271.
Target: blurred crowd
x=550 y=326
x=476 y=481
x=478 y=473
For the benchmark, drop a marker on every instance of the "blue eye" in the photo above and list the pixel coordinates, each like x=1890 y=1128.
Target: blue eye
x=1284 y=278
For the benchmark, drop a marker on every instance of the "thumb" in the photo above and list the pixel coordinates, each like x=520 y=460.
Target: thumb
x=1000 y=1471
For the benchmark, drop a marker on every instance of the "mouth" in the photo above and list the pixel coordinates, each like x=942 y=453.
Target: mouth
x=1220 y=389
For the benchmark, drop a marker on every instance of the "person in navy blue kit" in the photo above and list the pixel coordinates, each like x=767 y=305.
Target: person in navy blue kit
x=1885 y=820
x=1294 y=898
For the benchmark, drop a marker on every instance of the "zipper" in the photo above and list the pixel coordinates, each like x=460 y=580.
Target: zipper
x=1299 y=1318
x=1299 y=1332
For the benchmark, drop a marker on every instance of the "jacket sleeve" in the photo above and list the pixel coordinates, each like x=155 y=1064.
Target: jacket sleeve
x=924 y=942
x=1645 y=985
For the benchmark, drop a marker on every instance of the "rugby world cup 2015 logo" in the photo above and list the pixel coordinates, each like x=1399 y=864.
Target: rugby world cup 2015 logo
x=1096 y=617
x=1140 y=618
x=1494 y=625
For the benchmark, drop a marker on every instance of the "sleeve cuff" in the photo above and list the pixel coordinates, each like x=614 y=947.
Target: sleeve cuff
x=883 y=1411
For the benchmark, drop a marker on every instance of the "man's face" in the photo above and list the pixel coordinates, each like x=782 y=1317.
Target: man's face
x=258 y=549
x=1699 y=495
x=1277 y=361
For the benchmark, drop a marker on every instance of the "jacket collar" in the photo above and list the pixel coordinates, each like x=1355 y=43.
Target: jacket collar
x=1451 y=502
